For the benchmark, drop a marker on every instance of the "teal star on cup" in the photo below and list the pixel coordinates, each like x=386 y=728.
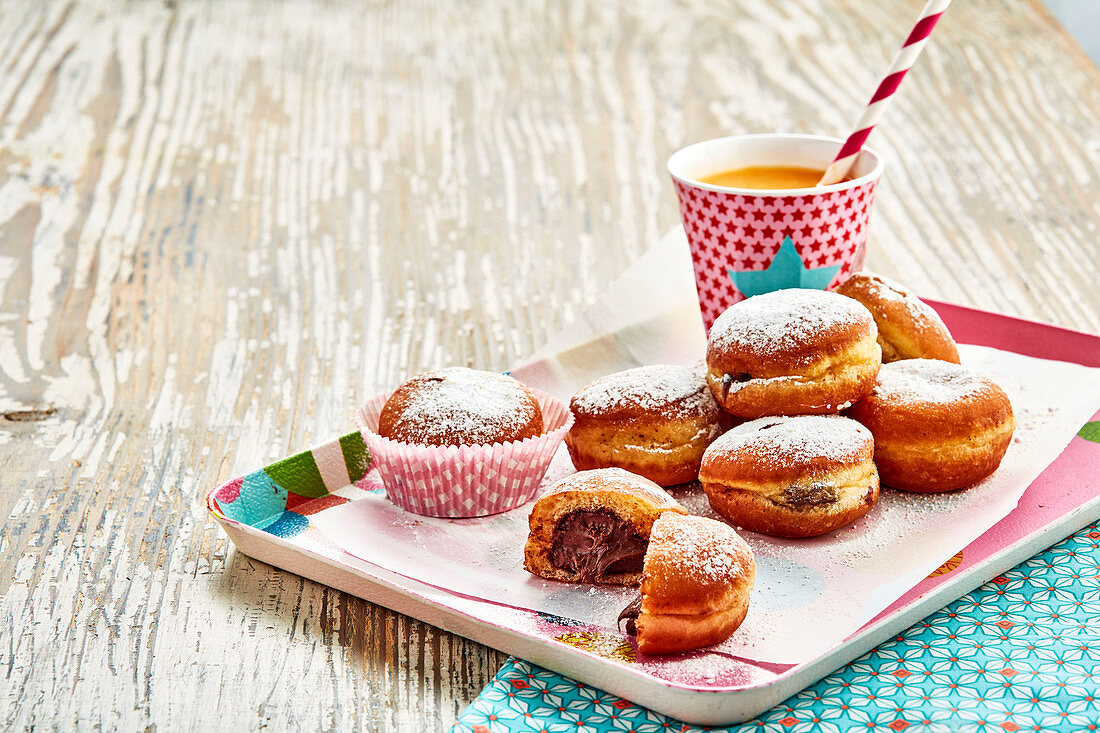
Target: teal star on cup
x=787 y=270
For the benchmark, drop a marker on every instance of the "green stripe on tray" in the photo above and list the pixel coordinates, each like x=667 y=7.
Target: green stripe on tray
x=1091 y=431
x=356 y=456
x=299 y=474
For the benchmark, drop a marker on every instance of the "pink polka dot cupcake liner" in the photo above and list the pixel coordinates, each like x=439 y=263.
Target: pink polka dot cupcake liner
x=468 y=480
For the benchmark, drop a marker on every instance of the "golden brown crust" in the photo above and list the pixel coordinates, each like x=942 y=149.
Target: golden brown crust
x=937 y=426
x=792 y=352
x=671 y=633
x=596 y=447
x=628 y=496
x=460 y=406
x=954 y=466
x=907 y=327
x=695 y=585
x=752 y=511
x=653 y=421
x=792 y=476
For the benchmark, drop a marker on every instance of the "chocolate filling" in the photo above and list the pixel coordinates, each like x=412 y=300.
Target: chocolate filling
x=729 y=379
x=630 y=614
x=807 y=496
x=594 y=544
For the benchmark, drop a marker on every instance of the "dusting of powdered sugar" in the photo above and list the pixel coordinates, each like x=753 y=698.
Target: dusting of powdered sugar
x=923 y=315
x=784 y=319
x=613 y=479
x=702 y=549
x=786 y=440
x=667 y=389
x=476 y=405
x=927 y=381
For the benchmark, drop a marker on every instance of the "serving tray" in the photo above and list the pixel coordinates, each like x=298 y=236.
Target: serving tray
x=267 y=514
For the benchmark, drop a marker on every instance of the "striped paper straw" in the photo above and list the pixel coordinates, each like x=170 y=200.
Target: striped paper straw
x=902 y=62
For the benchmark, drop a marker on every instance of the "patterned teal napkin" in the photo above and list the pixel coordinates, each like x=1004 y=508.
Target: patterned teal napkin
x=1019 y=653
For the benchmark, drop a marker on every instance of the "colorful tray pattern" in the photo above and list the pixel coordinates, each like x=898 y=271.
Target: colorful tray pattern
x=279 y=498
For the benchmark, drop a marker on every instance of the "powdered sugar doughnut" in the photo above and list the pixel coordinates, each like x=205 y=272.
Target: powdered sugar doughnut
x=654 y=421
x=695 y=585
x=908 y=328
x=460 y=406
x=792 y=476
x=937 y=426
x=792 y=352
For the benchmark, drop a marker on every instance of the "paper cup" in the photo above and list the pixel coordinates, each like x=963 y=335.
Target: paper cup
x=745 y=242
x=469 y=480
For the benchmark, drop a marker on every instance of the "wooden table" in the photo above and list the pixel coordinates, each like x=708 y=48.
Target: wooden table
x=223 y=224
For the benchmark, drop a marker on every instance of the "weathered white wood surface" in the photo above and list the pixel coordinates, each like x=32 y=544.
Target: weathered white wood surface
x=222 y=224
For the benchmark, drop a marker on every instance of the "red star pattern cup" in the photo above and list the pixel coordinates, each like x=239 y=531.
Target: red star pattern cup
x=745 y=242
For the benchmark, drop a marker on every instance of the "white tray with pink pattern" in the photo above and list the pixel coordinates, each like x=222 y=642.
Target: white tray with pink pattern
x=321 y=514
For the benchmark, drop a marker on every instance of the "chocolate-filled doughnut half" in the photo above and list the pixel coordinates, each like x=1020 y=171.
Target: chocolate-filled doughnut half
x=792 y=476
x=460 y=406
x=908 y=328
x=937 y=426
x=593 y=527
x=654 y=421
x=695 y=585
x=792 y=352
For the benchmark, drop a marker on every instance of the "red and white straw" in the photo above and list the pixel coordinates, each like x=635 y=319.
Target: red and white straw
x=902 y=62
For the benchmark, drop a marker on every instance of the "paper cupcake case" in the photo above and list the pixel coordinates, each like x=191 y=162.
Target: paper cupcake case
x=274 y=514
x=464 y=481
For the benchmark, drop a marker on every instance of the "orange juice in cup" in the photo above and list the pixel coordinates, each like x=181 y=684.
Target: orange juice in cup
x=748 y=236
